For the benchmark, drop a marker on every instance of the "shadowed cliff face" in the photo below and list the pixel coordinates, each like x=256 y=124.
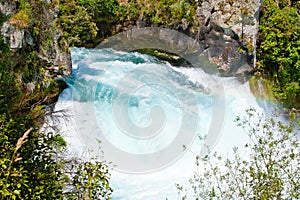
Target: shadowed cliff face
x=226 y=29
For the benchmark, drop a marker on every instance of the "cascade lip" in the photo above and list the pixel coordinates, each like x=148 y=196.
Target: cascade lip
x=185 y=47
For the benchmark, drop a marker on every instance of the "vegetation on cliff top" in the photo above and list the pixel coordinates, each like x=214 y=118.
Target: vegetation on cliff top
x=87 y=22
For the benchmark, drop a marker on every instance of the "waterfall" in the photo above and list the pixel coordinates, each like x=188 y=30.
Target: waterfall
x=138 y=106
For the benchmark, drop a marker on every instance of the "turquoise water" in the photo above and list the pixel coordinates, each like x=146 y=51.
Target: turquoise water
x=138 y=106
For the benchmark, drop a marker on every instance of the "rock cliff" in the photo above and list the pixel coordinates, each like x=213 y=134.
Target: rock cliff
x=227 y=29
x=43 y=38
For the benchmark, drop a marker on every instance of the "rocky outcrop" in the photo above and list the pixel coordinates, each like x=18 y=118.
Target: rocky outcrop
x=16 y=38
x=11 y=35
x=57 y=57
x=8 y=8
x=45 y=43
x=228 y=30
x=238 y=16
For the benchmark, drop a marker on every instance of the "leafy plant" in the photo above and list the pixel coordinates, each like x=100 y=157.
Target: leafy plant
x=278 y=49
x=30 y=165
x=29 y=170
x=170 y=13
x=76 y=22
x=22 y=18
x=270 y=171
x=83 y=20
x=87 y=180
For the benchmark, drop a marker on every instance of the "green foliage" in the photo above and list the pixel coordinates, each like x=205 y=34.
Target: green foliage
x=172 y=12
x=28 y=168
x=261 y=88
x=76 y=23
x=101 y=10
x=271 y=171
x=278 y=50
x=82 y=20
x=163 y=12
x=30 y=165
x=42 y=27
x=3 y=18
x=85 y=22
x=31 y=168
x=87 y=180
x=22 y=18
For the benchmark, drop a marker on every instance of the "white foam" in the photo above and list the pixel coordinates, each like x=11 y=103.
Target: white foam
x=161 y=184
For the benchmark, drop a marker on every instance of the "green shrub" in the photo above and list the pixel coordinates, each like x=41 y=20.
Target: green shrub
x=82 y=20
x=278 y=50
x=87 y=180
x=271 y=171
x=169 y=13
x=30 y=163
x=76 y=22
x=22 y=18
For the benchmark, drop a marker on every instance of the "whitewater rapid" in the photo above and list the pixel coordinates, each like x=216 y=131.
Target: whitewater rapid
x=97 y=81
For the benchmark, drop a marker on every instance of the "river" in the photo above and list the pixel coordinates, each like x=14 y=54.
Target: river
x=150 y=117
